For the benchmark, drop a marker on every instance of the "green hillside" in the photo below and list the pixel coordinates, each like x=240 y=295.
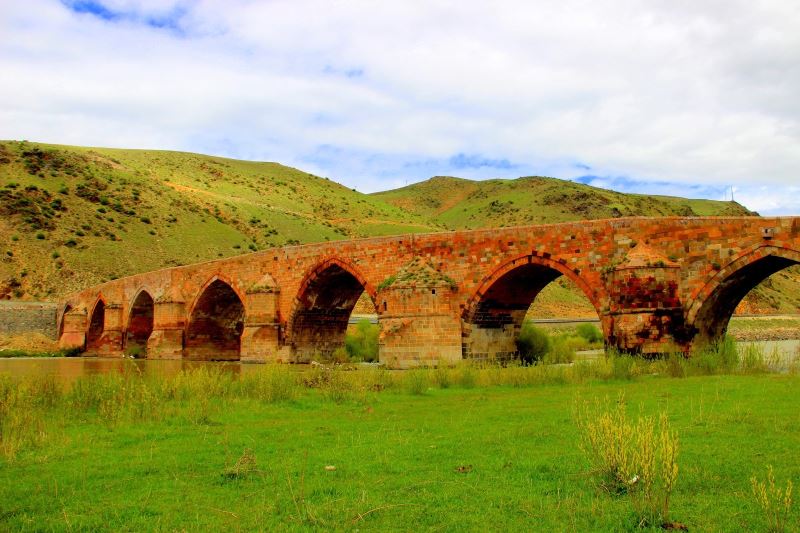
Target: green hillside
x=71 y=217
x=460 y=204
x=75 y=216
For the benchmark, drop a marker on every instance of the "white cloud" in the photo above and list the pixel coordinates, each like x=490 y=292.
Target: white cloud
x=680 y=92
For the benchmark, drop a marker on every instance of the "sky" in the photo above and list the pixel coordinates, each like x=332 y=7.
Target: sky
x=689 y=98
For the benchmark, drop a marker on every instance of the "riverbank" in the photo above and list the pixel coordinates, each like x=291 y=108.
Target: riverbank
x=455 y=449
x=771 y=328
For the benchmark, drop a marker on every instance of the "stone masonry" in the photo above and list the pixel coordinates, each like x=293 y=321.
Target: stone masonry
x=657 y=284
x=17 y=318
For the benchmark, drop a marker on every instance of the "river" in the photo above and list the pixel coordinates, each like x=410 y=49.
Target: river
x=69 y=369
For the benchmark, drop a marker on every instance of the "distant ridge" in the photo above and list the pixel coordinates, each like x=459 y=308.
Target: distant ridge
x=458 y=203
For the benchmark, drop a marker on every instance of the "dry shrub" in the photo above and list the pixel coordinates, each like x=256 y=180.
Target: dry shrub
x=243 y=467
x=775 y=502
x=631 y=457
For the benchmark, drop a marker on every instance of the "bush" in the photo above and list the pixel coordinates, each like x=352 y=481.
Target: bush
x=621 y=365
x=468 y=377
x=340 y=356
x=676 y=365
x=590 y=333
x=416 y=381
x=136 y=351
x=362 y=343
x=561 y=351
x=532 y=344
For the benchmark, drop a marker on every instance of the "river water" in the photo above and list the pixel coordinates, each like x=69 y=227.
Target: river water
x=69 y=369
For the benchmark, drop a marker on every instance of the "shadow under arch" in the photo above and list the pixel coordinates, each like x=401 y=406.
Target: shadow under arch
x=96 y=323
x=493 y=316
x=140 y=323
x=713 y=305
x=322 y=308
x=216 y=322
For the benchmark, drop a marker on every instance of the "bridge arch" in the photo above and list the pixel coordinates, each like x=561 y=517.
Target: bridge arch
x=216 y=321
x=494 y=314
x=96 y=323
x=140 y=322
x=711 y=307
x=323 y=305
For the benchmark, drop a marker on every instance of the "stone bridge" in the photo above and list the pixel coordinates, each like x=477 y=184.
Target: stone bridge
x=657 y=284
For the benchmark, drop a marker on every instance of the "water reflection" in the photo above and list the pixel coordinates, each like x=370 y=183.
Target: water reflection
x=68 y=370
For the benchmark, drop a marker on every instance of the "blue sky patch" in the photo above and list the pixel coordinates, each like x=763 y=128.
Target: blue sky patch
x=665 y=188
x=169 y=20
x=462 y=161
x=92 y=8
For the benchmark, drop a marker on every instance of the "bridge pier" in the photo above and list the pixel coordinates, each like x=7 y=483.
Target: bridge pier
x=648 y=332
x=419 y=325
x=646 y=314
x=74 y=324
x=166 y=340
x=110 y=342
x=491 y=342
x=260 y=341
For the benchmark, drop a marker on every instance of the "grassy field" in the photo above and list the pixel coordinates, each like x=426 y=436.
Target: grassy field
x=461 y=449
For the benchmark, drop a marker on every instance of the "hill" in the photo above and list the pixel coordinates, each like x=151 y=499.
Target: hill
x=72 y=217
x=76 y=216
x=457 y=203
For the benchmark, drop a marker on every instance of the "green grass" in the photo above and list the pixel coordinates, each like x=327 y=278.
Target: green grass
x=13 y=353
x=468 y=448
